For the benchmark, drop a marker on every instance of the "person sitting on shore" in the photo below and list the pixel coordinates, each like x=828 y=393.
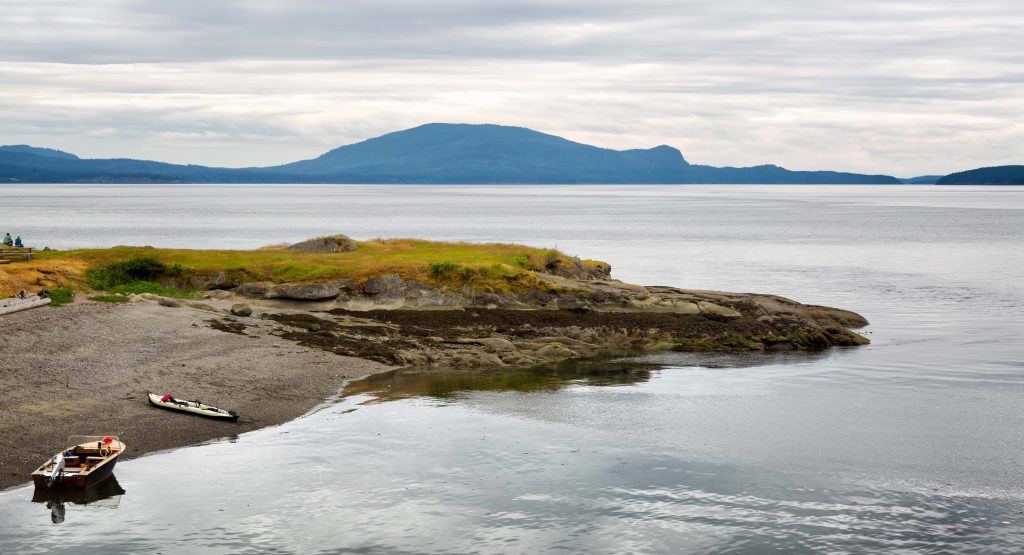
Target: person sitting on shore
x=7 y=240
x=17 y=242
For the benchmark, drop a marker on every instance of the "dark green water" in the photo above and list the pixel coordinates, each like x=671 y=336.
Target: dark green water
x=912 y=444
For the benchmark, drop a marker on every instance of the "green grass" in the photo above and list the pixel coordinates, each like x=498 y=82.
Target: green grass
x=140 y=287
x=109 y=298
x=61 y=296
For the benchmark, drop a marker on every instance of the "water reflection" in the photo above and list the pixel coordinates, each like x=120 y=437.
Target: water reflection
x=449 y=383
x=106 y=495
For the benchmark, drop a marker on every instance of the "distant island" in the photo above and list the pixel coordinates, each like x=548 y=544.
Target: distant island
x=999 y=175
x=433 y=153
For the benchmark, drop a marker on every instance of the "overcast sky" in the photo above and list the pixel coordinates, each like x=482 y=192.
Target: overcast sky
x=904 y=88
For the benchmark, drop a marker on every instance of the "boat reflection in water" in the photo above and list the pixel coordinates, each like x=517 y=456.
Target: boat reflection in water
x=106 y=495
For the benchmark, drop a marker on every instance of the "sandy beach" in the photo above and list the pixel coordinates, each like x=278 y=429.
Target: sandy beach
x=86 y=369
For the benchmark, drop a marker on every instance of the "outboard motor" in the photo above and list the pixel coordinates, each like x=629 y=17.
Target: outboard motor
x=57 y=472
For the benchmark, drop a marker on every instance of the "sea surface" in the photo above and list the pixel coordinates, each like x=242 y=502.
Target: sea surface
x=914 y=444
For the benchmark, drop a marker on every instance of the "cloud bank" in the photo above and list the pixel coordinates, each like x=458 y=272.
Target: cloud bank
x=900 y=87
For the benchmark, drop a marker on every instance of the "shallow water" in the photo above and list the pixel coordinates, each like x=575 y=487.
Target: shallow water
x=912 y=444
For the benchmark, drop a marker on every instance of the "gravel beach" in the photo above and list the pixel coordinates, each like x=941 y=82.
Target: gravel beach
x=86 y=369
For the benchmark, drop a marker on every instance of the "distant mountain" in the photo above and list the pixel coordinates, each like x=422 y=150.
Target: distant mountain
x=432 y=153
x=450 y=153
x=922 y=180
x=998 y=175
x=48 y=152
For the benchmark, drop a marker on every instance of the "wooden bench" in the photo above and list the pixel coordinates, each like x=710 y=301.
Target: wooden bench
x=12 y=253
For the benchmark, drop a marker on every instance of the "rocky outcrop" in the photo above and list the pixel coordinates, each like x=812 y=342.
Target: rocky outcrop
x=479 y=337
x=319 y=291
x=574 y=268
x=325 y=245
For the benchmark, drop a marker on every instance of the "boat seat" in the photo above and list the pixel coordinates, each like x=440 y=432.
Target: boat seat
x=95 y=459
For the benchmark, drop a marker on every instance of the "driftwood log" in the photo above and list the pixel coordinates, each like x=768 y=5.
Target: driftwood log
x=19 y=303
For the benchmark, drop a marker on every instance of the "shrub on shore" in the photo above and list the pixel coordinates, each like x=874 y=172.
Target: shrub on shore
x=61 y=296
x=135 y=276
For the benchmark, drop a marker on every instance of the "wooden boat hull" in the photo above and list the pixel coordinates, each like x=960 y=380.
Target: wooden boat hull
x=83 y=464
x=78 y=480
x=191 y=407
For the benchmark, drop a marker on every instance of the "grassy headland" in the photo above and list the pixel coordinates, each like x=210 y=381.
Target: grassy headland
x=485 y=267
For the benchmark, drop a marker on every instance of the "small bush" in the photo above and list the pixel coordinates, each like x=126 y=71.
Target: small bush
x=445 y=269
x=144 y=268
x=552 y=260
x=524 y=261
x=134 y=277
x=61 y=296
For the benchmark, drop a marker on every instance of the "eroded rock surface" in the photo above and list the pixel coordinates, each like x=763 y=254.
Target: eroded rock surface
x=325 y=245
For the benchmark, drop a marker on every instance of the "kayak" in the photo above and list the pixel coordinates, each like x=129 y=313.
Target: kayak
x=192 y=407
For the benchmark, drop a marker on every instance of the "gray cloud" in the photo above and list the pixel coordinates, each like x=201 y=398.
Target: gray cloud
x=901 y=87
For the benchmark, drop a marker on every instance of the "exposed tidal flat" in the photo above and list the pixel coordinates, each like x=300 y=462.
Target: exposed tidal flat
x=912 y=443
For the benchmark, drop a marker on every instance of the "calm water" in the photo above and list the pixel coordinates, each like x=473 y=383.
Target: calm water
x=913 y=444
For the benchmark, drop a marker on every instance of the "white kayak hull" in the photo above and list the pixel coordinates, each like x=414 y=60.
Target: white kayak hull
x=193 y=407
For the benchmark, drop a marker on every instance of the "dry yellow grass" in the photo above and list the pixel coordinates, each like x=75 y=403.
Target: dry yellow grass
x=40 y=274
x=482 y=265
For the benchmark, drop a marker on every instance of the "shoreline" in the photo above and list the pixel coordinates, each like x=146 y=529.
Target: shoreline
x=86 y=368
x=95 y=362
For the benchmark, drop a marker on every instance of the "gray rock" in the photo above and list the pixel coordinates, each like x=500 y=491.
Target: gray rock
x=218 y=294
x=305 y=291
x=487 y=299
x=325 y=245
x=556 y=351
x=253 y=290
x=203 y=282
x=241 y=309
x=389 y=286
x=170 y=303
x=203 y=306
